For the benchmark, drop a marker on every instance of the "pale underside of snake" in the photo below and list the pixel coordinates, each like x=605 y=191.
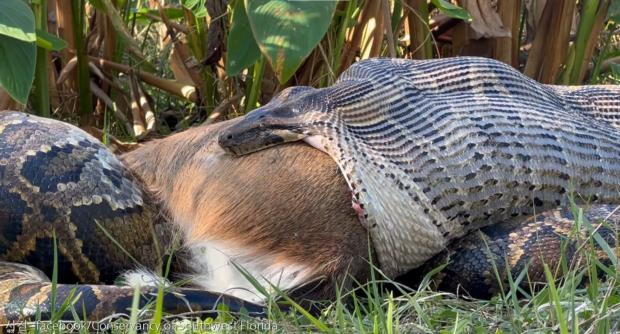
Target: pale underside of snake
x=52 y=175
x=55 y=177
x=434 y=149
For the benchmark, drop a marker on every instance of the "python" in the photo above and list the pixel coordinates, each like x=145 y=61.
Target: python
x=283 y=214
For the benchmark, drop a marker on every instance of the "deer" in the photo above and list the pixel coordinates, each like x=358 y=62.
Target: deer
x=284 y=215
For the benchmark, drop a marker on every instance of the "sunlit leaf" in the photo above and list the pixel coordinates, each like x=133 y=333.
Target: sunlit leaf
x=142 y=14
x=242 y=49
x=196 y=6
x=451 y=10
x=17 y=20
x=287 y=31
x=49 y=41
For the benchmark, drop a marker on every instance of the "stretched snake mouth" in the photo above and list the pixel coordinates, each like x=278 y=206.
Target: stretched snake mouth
x=256 y=138
x=237 y=146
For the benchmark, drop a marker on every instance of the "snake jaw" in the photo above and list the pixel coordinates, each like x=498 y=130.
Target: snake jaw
x=256 y=139
x=289 y=117
x=260 y=129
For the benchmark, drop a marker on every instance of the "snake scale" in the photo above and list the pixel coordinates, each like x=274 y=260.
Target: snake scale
x=434 y=149
x=55 y=177
x=57 y=180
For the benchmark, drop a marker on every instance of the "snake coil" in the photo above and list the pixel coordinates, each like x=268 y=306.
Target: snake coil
x=56 y=180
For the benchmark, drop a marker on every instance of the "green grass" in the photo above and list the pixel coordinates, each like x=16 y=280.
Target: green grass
x=582 y=302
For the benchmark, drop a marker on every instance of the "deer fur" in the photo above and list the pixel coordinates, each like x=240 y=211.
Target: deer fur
x=282 y=214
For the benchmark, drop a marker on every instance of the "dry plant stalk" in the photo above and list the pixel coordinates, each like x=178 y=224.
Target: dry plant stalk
x=139 y=128
x=185 y=91
x=506 y=49
x=177 y=66
x=97 y=72
x=117 y=22
x=372 y=33
x=65 y=31
x=176 y=26
x=597 y=28
x=355 y=34
x=550 y=46
x=105 y=98
x=191 y=65
x=419 y=33
x=222 y=109
x=147 y=111
x=66 y=71
x=389 y=34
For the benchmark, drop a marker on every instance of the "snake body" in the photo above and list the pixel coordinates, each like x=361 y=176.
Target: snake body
x=434 y=149
x=56 y=177
x=60 y=185
x=57 y=181
x=483 y=262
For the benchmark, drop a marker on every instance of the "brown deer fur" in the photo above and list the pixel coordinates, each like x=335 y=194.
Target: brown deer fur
x=290 y=201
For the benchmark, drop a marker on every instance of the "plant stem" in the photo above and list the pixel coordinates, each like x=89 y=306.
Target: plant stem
x=341 y=39
x=85 y=103
x=588 y=14
x=594 y=77
x=257 y=80
x=419 y=30
x=41 y=75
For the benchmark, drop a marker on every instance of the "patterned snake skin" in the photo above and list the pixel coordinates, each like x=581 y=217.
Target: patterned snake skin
x=53 y=176
x=434 y=149
x=55 y=179
x=26 y=291
x=513 y=247
x=60 y=178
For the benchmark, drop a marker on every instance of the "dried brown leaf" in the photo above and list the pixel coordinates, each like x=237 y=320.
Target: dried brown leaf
x=178 y=69
x=486 y=22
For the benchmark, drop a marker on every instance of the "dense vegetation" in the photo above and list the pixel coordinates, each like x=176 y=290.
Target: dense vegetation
x=143 y=66
x=135 y=68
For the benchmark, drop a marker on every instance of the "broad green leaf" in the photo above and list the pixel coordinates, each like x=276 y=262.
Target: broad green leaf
x=242 y=49
x=17 y=67
x=142 y=14
x=451 y=10
x=17 y=20
x=287 y=31
x=49 y=41
x=196 y=6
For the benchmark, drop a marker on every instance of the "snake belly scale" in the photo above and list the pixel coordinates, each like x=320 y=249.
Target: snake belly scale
x=434 y=149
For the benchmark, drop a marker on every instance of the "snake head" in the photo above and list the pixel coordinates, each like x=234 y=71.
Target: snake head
x=260 y=129
x=282 y=120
